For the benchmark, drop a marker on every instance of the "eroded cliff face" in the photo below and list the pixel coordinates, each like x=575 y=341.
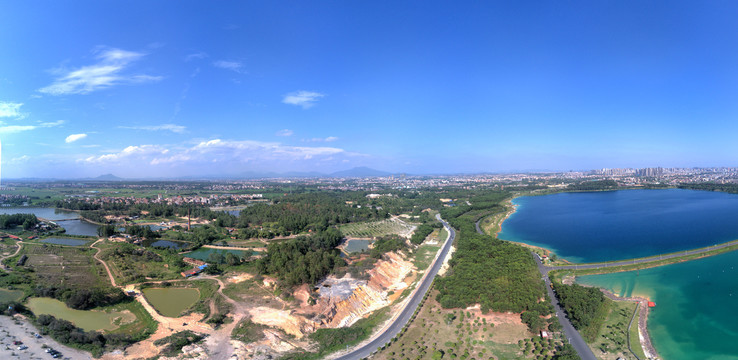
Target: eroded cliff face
x=346 y=300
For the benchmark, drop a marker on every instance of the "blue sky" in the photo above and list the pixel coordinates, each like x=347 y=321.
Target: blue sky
x=185 y=88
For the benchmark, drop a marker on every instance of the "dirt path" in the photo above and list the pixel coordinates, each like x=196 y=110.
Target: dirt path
x=20 y=245
x=110 y=274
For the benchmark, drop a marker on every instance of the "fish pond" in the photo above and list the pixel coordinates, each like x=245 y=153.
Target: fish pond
x=171 y=302
x=85 y=319
x=357 y=245
x=64 y=241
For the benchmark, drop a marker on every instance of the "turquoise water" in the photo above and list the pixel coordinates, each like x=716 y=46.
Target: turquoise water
x=611 y=225
x=696 y=313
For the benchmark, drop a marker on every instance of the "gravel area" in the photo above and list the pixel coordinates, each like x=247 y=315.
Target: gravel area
x=19 y=329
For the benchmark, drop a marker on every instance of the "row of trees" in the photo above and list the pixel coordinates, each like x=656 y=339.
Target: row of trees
x=422 y=232
x=586 y=307
x=83 y=298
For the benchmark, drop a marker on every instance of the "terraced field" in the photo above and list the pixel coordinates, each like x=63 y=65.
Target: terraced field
x=378 y=228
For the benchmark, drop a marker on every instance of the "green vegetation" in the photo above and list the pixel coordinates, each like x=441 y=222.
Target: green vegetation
x=303 y=260
x=586 y=307
x=175 y=342
x=422 y=232
x=131 y=264
x=387 y=244
x=375 y=228
x=499 y=275
x=709 y=186
x=28 y=221
x=248 y=332
x=330 y=340
x=612 y=337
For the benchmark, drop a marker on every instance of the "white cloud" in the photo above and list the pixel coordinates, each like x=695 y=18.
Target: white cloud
x=285 y=132
x=263 y=150
x=326 y=139
x=8 y=129
x=236 y=66
x=127 y=153
x=105 y=73
x=196 y=56
x=16 y=128
x=74 y=137
x=10 y=109
x=306 y=99
x=179 y=129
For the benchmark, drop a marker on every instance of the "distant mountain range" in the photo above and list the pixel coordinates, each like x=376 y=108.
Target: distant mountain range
x=357 y=172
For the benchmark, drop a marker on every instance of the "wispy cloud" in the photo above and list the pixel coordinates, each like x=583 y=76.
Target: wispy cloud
x=8 y=129
x=285 y=132
x=196 y=56
x=179 y=129
x=325 y=139
x=74 y=137
x=10 y=110
x=306 y=99
x=107 y=72
x=236 y=66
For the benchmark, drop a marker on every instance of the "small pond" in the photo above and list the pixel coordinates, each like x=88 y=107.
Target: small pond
x=85 y=319
x=357 y=245
x=171 y=302
x=64 y=241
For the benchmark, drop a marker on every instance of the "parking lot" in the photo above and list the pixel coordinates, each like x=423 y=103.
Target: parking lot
x=17 y=329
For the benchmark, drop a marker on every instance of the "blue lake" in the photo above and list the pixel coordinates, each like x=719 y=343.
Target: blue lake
x=611 y=225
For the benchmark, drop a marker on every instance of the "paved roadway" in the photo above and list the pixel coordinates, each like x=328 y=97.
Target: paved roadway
x=393 y=329
x=643 y=260
x=575 y=339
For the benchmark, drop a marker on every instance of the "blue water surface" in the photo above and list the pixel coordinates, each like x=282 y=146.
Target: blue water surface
x=612 y=225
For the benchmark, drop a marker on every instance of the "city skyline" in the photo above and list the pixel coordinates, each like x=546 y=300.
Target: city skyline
x=145 y=90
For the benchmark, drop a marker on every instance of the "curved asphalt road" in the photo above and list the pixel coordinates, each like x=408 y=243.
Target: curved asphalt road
x=393 y=329
x=575 y=339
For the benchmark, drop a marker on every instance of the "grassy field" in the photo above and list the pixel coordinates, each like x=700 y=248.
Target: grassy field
x=377 y=228
x=612 y=341
x=635 y=343
x=456 y=333
x=423 y=255
x=144 y=323
x=55 y=265
x=131 y=268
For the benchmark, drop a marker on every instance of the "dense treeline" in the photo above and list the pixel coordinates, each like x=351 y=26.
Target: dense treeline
x=586 y=307
x=28 y=221
x=594 y=185
x=422 y=232
x=385 y=244
x=498 y=275
x=728 y=188
x=303 y=260
x=303 y=212
x=142 y=232
x=83 y=298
